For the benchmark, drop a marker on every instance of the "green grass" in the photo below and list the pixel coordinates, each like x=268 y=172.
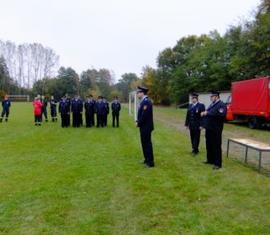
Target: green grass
x=90 y=181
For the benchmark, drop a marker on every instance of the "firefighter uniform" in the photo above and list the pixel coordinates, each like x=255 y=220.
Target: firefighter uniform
x=76 y=109
x=107 y=111
x=44 y=108
x=64 y=110
x=100 y=110
x=89 y=107
x=6 y=106
x=116 y=107
x=194 y=122
x=213 y=123
x=53 y=104
x=146 y=125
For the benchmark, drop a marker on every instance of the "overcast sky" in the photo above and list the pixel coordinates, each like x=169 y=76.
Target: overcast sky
x=121 y=35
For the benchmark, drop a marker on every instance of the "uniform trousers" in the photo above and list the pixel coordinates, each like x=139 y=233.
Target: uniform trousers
x=195 y=139
x=65 y=119
x=5 y=112
x=213 y=146
x=115 y=117
x=147 y=146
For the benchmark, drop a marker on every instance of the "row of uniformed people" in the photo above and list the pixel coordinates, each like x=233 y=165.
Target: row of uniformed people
x=100 y=107
x=212 y=120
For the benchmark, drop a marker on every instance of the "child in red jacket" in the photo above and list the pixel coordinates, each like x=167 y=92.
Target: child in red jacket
x=37 y=111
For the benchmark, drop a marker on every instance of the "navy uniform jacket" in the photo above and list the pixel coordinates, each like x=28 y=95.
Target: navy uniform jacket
x=145 y=115
x=107 y=107
x=100 y=108
x=193 y=118
x=44 y=104
x=116 y=107
x=64 y=107
x=90 y=106
x=216 y=113
x=76 y=106
x=53 y=104
x=6 y=104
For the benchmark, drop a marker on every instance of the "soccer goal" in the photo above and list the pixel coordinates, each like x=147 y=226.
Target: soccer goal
x=19 y=98
x=133 y=104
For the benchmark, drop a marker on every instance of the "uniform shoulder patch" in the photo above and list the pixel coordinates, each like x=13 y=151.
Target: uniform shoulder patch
x=221 y=110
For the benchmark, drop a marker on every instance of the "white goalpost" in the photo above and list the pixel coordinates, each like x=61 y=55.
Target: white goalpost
x=133 y=104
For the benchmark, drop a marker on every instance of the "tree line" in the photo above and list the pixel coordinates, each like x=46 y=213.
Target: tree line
x=69 y=82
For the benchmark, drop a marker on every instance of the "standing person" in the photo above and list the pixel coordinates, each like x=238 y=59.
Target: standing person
x=37 y=104
x=89 y=107
x=81 y=111
x=194 y=122
x=106 y=111
x=76 y=109
x=146 y=125
x=64 y=110
x=214 y=122
x=6 y=106
x=100 y=111
x=116 y=107
x=44 y=108
x=53 y=108
x=68 y=99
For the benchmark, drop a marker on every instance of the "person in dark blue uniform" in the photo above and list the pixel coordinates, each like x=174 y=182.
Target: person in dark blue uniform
x=194 y=122
x=89 y=107
x=6 y=106
x=76 y=109
x=100 y=111
x=116 y=107
x=64 y=110
x=146 y=125
x=81 y=113
x=44 y=102
x=53 y=104
x=107 y=111
x=214 y=118
x=68 y=100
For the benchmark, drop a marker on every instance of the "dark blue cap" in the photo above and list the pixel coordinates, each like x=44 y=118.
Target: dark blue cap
x=194 y=95
x=142 y=89
x=215 y=93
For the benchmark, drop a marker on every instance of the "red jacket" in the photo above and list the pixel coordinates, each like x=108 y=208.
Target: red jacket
x=37 y=107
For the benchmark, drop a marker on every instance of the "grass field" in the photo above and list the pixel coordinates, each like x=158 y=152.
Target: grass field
x=91 y=181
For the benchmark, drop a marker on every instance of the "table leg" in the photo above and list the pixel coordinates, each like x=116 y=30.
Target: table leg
x=260 y=160
x=228 y=146
x=246 y=154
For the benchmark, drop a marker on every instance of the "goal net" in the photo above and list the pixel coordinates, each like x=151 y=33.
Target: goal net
x=133 y=104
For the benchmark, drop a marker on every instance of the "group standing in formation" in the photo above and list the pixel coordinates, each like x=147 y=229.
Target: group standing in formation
x=212 y=120
x=74 y=108
x=96 y=114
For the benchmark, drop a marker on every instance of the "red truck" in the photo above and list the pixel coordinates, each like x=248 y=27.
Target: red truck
x=250 y=101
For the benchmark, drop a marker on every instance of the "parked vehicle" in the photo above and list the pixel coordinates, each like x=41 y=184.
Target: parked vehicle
x=250 y=101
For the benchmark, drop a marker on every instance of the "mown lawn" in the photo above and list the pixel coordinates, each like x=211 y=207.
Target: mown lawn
x=91 y=181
